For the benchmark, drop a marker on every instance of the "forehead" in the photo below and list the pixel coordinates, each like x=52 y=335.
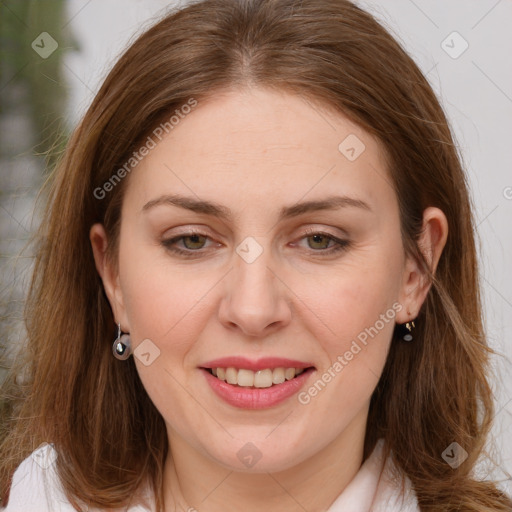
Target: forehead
x=258 y=144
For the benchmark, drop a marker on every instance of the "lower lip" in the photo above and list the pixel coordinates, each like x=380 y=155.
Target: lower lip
x=256 y=398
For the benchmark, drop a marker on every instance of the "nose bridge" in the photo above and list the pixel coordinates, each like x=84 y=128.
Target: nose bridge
x=253 y=273
x=254 y=300
x=253 y=283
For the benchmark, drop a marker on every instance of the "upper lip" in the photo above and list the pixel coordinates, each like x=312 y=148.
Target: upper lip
x=255 y=365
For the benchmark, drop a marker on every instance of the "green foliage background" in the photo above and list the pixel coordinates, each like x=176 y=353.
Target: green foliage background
x=34 y=87
x=21 y=21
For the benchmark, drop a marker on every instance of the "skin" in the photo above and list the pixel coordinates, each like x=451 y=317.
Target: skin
x=256 y=151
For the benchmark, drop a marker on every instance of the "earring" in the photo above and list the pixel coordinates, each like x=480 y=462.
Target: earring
x=121 y=347
x=409 y=326
x=405 y=330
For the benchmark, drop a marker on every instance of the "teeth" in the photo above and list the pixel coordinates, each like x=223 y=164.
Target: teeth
x=278 y=376
x=263 y=378
x=289 y=373
x=231 y=376
x=245 y=378
x=259 y=379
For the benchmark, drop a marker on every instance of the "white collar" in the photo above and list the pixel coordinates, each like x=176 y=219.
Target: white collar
x=372 y=489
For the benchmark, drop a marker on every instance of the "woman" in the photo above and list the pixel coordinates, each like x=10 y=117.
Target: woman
x=256 y=286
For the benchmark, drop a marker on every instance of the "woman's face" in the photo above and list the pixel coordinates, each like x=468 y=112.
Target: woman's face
x=261 y=234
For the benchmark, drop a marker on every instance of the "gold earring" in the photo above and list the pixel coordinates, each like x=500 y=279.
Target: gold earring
x=409 y=326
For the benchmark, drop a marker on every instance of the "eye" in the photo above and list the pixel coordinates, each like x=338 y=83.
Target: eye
x=192 y=242
x=319 y=241
x=322 y=242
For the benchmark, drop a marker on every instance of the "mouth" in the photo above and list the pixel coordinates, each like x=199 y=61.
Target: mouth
x=261 y=384
x=264 y=378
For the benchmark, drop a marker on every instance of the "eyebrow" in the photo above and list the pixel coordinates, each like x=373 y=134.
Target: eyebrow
x=287 y=212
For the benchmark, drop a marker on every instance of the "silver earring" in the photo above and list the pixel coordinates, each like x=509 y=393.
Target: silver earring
x=121 y=347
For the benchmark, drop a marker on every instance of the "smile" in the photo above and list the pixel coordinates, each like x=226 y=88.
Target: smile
x=261 y=384
x=259 y=379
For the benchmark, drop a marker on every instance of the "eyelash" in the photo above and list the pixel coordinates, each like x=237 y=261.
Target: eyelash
x=342 y=245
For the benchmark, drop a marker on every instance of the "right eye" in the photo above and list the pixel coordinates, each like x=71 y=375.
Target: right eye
x=192 y=242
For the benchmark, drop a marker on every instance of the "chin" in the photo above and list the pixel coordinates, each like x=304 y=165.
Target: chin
x=255 y=452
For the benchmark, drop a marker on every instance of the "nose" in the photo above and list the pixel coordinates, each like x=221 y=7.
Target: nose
x=255 y=301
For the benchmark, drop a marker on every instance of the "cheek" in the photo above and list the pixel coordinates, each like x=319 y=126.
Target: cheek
x=353 y=356
x=353 y=321
x=351 y=300
x=162 y=303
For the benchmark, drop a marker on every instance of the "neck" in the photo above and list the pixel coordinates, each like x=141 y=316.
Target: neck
x=194 y=481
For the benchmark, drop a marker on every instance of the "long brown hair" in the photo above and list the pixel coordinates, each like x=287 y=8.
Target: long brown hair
x=108 y=435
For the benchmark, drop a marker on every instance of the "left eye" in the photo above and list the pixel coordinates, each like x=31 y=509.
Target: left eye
x=319 y=240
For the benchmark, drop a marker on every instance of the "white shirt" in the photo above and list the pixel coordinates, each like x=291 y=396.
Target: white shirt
x=37 y=488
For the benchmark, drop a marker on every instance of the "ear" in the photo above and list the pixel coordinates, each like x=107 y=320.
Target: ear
x=109 y=276
x=415 y=282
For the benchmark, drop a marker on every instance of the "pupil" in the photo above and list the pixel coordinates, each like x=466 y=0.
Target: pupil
x=317 y=239
x=194 y=239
